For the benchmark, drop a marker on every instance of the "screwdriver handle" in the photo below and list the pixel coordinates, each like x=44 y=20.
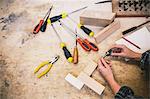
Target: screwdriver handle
x=58 y=17
x=44 y=26
x=66 y=52
x=91 y=45
x=75 y=55
x=37 y=28
x=129 y=30
x=83 y=44
x=86 y=30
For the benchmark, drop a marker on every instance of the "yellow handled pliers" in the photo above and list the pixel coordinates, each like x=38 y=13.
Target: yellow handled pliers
x=48 y=63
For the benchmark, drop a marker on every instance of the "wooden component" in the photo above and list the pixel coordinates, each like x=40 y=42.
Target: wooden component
x=131 y=7
x=91 y=83
x=90 y=68
x=75 y=55
x=96 y=18
x=74 y=81
x=107 y=31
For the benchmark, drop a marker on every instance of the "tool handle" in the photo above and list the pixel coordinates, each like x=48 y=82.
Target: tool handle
x=83 y=44
x=129 y=30
x=87 y=31
x=45 y=71
x=40 y=66
x=66 y=52
x=37 y=28
x=55 y=18
x=43 y=27
x=75 y=55
x=91 y=45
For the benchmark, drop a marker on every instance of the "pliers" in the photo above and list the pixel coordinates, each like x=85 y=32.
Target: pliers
x=49 y=63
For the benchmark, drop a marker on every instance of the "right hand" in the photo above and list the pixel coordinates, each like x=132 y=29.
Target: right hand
x=104 y=68
x=123 y=51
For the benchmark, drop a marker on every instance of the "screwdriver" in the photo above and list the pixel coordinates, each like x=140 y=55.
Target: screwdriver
x=134 y=28
x=75 y=52
x=64 y=14
x=79 y=40
x=85 y=29
x=38 y=26
x=85 y=44
x=63 y=46
x=43 y=27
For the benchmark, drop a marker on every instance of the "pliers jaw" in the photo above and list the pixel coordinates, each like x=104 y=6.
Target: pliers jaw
x=54 y=59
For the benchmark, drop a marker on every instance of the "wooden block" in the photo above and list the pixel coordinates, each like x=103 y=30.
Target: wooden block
x=74 y=81
x=91 y=83
x=90 y=68
x=96 y=18
x=107 y=31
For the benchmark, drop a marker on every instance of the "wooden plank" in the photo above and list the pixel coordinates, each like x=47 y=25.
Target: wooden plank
x=96 y=18
x=91 y=83
x=74 y=81
x=107 y=31
x=90 y=68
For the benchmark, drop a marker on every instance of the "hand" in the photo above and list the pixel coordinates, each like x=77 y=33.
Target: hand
x=123 y=51
x=105 y=69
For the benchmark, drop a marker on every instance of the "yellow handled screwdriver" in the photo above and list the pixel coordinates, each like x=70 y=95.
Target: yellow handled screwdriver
x=64 y=14
x=63 y=46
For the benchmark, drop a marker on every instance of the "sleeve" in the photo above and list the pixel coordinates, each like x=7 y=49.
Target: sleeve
x=145 y=60
x=126 y=92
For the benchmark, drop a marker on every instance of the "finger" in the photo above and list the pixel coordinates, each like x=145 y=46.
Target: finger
x=107 y=61
x=117 y=54
x=100 y=66
x=117 y=46
x=104 y=62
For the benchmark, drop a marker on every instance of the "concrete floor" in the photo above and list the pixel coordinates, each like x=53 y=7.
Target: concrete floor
x=21 y=52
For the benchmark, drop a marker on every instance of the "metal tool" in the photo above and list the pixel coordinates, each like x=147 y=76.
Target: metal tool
x=63 y=46
x=44 y=26
x=48 y=63
x=85 y=44
x=108 y=53
x=134 y=28
x=40 y=24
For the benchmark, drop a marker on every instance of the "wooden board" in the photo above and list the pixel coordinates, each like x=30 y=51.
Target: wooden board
x=96 y=18
x=74 y=81
x=107 y=31
x=89 y=69
x=91 y=83
x=131 y=7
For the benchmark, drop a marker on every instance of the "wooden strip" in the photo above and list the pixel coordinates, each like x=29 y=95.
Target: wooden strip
x=90 y=68
x=91 y=83
x=96 y=18
x=103 y=34
x=74 y=81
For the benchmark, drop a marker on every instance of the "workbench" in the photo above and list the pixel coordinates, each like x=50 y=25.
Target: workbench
x=21 y=52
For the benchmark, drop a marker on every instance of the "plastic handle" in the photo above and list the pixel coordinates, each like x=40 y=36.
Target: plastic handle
x=83 y=44
x=87 y=31
x=91 y=45
x=55 y=18
x=67 y=54
x=37 y=28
